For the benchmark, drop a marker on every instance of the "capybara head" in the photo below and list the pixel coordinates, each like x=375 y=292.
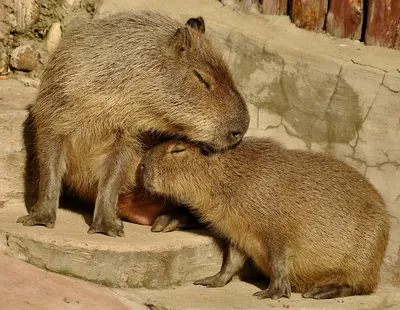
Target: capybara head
x=210 y=108
x=174 y=168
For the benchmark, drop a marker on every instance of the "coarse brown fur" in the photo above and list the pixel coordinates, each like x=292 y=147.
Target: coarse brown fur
x=310 y=222
x=112 y=80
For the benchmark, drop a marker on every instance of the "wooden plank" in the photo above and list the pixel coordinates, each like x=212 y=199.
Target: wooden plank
x=345 y=18
x=274 y=7
x=383 y=23
x=309 y=14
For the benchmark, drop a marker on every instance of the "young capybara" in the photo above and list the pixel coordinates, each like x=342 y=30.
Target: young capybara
x=311 y=223
x=109 y=81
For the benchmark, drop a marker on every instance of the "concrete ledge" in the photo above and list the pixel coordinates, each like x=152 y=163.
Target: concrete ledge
x=141 y=259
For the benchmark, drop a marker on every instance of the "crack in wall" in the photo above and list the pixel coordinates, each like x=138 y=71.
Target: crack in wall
x=364 y=65
x=359 y=126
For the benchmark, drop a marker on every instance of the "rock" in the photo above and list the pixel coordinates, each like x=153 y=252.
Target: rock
x=69 y=3
x=53 y=36
x=25 y=58
x=24 y=14
x=3 y=28
x=3 y=56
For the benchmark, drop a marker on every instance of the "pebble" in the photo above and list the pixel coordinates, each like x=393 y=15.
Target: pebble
x=25 y=58
x=53 y=37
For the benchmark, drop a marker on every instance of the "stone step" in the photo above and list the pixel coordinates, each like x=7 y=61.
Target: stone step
x=140 y=259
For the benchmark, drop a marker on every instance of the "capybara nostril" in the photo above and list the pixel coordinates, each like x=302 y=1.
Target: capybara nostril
x=235 y=136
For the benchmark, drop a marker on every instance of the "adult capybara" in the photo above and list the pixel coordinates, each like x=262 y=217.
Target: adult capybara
x=111 y=80
x=310 y=222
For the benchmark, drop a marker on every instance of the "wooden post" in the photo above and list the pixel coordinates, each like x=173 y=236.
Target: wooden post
x=275 y=7
x=383 y=23
x=309 y=14
x=345 y=18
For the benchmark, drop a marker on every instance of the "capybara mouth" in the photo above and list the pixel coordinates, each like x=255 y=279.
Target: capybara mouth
x=207 y=149
x=157 y=138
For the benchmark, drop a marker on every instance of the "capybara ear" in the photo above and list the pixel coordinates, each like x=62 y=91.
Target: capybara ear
x=177 y=148
x=182 y=39
x=197 y=23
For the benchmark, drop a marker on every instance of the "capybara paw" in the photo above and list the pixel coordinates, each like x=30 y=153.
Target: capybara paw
x=111 y=227
x=213 y=281
x=275 y=291
x=177 y=220
x=328 y=291
x=38 y=218
x=164 y=223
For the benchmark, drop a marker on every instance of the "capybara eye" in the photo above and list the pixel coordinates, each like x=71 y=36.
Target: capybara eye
x=178 y=149
x=201 y=79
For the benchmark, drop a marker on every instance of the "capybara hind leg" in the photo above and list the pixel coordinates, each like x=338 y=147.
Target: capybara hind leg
x=234 y=261
x=51 y=169
x=279 y=285
x=329 y=291
x=175 y=218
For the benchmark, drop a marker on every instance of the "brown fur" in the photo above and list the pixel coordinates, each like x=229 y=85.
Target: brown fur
x=303 y=217
x=110 y=81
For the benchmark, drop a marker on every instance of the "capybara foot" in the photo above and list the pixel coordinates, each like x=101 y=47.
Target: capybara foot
x=329 y=291
x=179 y=219
x=111 y=227
x=47 y=219
x=213 y=281
x=165 y=223
x=275 y=290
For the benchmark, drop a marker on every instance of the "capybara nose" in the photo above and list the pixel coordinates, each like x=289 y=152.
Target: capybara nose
x=142 y=166
x=235 y=136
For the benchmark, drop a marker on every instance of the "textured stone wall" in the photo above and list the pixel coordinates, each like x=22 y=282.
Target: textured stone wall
x=31 y=29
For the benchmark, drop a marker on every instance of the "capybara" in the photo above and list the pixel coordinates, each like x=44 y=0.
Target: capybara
x=111 y=80
x=309 y=222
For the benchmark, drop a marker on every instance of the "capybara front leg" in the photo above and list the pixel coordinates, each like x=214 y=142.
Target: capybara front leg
x=234 y=261
x=105 y=219
x=51 y=170
x=279 y=285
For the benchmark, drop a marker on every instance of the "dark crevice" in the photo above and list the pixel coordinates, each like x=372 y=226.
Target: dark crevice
x=289 y=7
x=326 y=14
x=365 y=20
x=7 y=238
